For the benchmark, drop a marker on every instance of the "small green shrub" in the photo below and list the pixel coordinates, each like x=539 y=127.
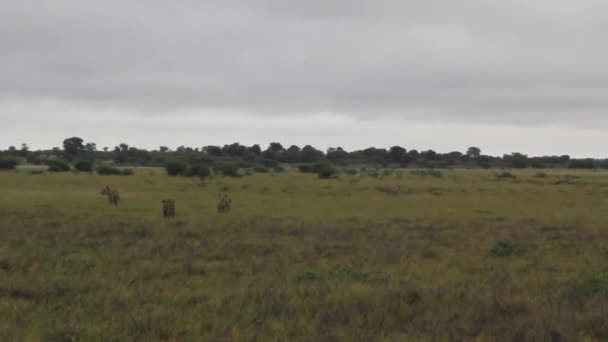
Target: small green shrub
x=351 y=172
x=84 y=165
x=278 y=169
x=58 y=165
x=260 y=169
x=8 y=163
x=505 y=248
x=541 y=175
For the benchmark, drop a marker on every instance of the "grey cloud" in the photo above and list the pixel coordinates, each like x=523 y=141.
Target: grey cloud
x=500 y=62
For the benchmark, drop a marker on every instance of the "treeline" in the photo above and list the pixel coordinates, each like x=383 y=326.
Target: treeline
x=84 y=155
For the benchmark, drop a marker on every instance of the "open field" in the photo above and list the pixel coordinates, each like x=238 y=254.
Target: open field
x=300 y=258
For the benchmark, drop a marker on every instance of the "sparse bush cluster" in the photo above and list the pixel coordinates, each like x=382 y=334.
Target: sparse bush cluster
x=8 y=163
x=505 y=175
x=323 y=170
x=505 y=248
x=429 y=172
x=84 y=165
x=109 y=170
x=58 y=165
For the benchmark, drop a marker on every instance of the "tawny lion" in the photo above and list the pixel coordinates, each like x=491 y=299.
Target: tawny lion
x=223 y=205
x=168 y=208
x=113 y=196
x=391 y=190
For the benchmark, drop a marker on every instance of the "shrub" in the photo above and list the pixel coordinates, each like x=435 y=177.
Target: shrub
x=541 y=175
x=586 y=286
x=351 y=172
x=505 y=175
x=325 y=170
x=306 y=168
x=8 y=163
x=435 y=173
x=260 y=169
x=278 y=168
x=506 y=248
x=229 y=170
x=109 y=170
x=581 y=164
x=84 y=165
x=58 y=165
x=176 y=168
x=199 y=170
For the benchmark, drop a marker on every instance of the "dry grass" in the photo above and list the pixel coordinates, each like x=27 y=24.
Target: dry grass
x=300 y=258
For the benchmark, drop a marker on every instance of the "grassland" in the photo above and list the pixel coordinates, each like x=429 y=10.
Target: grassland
x=465 y=256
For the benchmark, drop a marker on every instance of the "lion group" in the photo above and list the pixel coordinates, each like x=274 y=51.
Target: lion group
x=167 y=205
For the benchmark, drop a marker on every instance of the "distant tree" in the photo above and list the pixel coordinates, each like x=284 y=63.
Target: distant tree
x=8 y=163
x=336 y=155
x=163 y=149
x=200 y=170
x=587 y=163
x=396 y=154
x=214 y=151
x=58 y=165
x=90 y=147
x=516 y=160
x=235 y=150
x=276 y=147
x=176 y=168
x=23 y=152
x=72 y=147
x=473 y=152
x=255 y=149
x=309 y=154
x=291 y=155
x=84 y=165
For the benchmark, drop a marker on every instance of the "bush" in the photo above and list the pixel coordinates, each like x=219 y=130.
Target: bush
x=260 y=169
x=109 y=170
x=278 y=168
x=199 y=170
x=176 y=168
x=306 y=168
x=84 y=165
x=505 y=175
x=541 y=175
x=581 y=164
x=351 y=172
x=589 y=285
x=8 y=163
x=506 y=248
x=325 y=170
x=229 y=170
x=58 y=165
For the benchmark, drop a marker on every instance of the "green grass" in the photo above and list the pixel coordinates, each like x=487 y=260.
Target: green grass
x=465 y=256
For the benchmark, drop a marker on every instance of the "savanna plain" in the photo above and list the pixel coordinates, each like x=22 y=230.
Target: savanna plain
x=462 y=255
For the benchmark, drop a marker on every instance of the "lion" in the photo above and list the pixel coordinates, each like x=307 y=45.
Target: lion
x=391 y=190
x=113 y=196
x=168 y=208
x=223 y=205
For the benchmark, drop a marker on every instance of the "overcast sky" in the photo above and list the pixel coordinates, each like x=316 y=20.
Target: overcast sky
x=504 y=75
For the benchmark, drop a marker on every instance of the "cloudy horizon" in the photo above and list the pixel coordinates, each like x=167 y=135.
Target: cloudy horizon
x=505 y=76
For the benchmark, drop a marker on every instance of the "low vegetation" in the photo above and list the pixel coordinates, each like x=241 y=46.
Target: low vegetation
x=298 y=257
